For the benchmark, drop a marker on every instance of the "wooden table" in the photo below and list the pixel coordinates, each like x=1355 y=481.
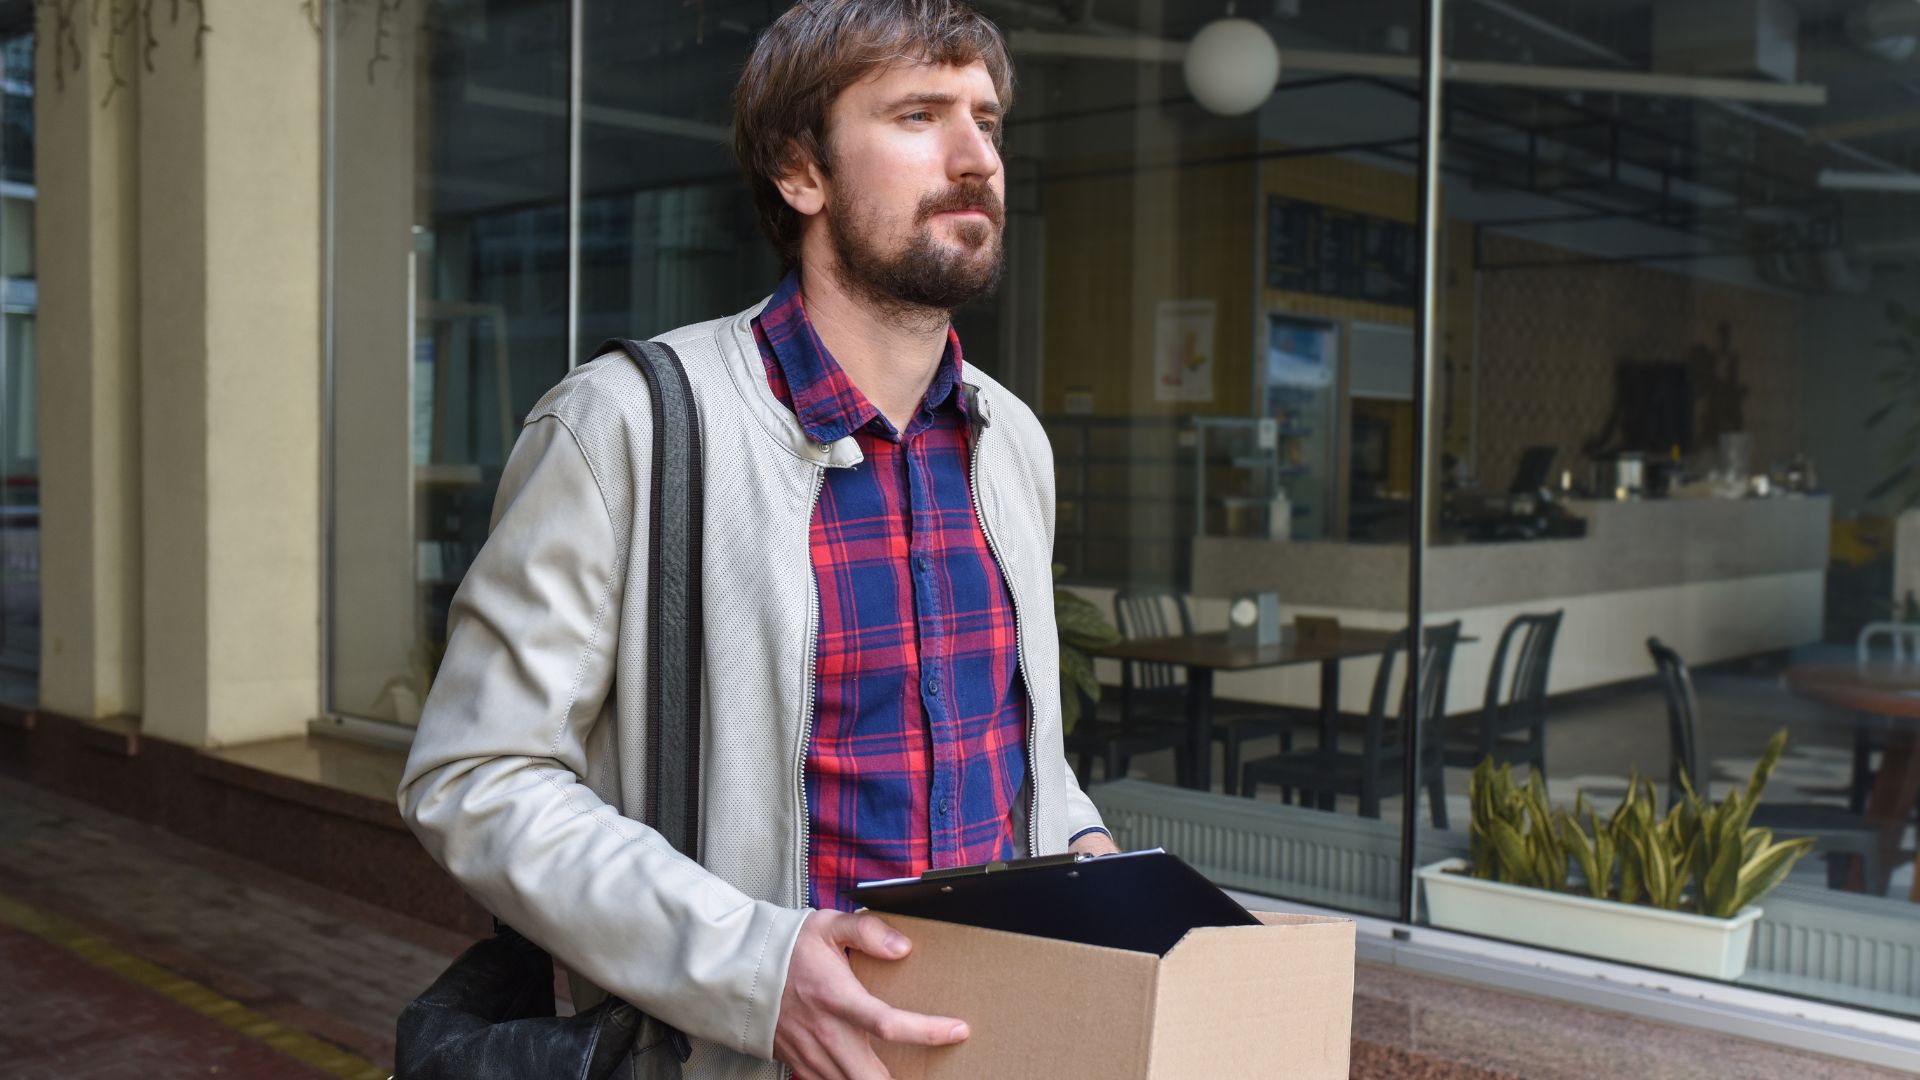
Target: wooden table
x=1204 y=654
x=1883 y=690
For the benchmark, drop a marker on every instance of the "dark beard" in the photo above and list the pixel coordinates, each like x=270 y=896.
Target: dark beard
x=925 y=276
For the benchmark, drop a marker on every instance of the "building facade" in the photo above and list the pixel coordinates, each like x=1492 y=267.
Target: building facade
x=1607 y=319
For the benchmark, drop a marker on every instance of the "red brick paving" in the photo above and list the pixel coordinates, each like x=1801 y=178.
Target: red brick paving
x=312 y=960
x=62 y=1018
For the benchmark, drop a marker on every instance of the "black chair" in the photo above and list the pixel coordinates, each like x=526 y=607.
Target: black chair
x=1148 y=718
x=1837 y=831
x=1154 y=695
x=1101 y=735
x=1377 y=769
x=1512 y=727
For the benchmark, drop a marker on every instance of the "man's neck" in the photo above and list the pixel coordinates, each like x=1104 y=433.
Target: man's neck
x=890 y=355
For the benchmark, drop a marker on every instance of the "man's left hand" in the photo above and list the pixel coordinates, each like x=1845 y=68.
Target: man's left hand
x=1094 y=843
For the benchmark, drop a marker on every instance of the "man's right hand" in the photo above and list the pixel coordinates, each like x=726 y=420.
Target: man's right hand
x=827 y=1019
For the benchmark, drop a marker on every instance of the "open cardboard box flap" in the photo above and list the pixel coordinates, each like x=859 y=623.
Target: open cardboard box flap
x=1274 y=1000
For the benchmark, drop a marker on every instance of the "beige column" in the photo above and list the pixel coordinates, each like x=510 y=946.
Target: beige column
x=230 y=247
x=89 y=378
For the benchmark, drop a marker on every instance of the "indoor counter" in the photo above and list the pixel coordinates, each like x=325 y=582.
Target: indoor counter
x=1715 y=579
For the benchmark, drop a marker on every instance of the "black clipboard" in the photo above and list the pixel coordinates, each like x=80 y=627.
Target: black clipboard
x=1144 y=901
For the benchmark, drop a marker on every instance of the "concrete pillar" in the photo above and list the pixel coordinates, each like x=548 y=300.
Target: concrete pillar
x=230 y=257
x=88 y=322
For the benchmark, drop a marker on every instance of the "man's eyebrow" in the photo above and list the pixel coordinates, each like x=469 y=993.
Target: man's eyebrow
x=935 y=97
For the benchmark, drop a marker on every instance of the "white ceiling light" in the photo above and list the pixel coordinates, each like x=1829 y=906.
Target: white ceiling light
x=1232 y=65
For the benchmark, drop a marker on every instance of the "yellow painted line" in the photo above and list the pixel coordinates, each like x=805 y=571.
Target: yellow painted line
x=295 y=1044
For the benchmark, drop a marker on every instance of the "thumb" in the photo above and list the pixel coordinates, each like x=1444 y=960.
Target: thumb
x=868 y=934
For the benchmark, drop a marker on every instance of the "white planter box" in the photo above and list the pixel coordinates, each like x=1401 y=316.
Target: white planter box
x=1627 y=933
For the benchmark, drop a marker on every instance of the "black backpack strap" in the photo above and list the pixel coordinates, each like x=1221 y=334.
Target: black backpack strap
x=675 y=632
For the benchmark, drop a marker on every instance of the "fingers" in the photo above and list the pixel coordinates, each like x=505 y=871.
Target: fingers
x=843 y=1056
x=883 y=1021
x=868 y=934
x=828 y=1018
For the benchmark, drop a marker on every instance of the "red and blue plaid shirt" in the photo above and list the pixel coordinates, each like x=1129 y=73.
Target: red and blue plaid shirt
x=918 y=750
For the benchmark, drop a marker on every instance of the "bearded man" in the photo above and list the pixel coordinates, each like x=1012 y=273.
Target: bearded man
x=882 y=684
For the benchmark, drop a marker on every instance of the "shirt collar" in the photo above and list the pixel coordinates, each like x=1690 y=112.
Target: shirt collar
x=825 y=400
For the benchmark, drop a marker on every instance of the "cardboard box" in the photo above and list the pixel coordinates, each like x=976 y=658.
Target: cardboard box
x=1269 y=1001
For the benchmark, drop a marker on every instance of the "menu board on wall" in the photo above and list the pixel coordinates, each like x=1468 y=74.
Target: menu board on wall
x=1330 y=252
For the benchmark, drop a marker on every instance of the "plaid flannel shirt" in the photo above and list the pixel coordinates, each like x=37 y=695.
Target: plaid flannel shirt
x=918 y=748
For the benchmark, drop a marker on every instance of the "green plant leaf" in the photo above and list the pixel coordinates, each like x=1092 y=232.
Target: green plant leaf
x=1722 y=879
x=1630 y=887
x=1583 y=854
x=1075 y=665
x=1512 y=849
x=1765 y=871
x=1656 y=872
x=1763 y=771
x=1603 y=855
x=1080 y=623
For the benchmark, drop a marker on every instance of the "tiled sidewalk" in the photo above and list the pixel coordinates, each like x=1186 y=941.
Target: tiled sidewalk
x=130 y=954
x=305 y=961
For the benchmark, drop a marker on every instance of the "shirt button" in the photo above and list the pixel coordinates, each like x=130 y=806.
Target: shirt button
x=933 y=686
x=920 y=563
x=943 y=809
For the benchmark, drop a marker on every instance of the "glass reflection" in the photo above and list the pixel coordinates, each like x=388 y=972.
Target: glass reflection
x=1674 y=353
x=450 y=310
x=19 y=367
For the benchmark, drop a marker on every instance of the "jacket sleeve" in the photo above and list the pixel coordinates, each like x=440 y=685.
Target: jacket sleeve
x=494 y=784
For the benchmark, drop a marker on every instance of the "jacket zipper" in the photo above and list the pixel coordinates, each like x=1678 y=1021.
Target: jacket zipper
x=993 y=548
x=806 y=718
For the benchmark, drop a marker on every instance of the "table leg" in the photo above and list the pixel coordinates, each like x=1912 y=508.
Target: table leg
x=1329 y=721
x=1199 y=728
x=1890 y=805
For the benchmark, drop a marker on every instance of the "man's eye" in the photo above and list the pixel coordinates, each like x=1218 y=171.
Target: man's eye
x=988 y=126
x=921 y=115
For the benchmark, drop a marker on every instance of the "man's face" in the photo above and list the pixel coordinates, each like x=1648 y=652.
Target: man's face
x=914 y=205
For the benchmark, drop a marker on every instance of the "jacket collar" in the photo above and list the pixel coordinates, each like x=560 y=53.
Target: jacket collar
x=734 y=338
x=824 y=398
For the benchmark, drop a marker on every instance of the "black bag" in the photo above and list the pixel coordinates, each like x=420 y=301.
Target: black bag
x=490 y=1015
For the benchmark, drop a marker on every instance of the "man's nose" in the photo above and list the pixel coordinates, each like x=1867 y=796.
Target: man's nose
x=973 y=154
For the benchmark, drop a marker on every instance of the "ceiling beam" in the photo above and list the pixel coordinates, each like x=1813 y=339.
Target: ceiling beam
x=1884 y=124
x=1383 y=65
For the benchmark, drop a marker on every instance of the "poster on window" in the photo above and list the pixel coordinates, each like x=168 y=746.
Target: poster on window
x=1183 y=350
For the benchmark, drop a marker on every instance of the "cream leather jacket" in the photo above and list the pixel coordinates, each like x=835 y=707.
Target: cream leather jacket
x=525 y=776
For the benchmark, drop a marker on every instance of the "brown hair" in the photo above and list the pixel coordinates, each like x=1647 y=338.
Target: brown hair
x=817 y=49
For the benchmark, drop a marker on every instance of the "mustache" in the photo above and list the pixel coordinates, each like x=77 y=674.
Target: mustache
x=977 y=195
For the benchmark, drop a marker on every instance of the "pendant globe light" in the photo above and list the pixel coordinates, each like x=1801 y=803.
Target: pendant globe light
x=1232 y=65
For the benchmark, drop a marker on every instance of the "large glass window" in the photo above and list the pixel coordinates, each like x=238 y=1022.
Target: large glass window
x=1226 y=304
x=1662 y=405
x=450 y=310
x=1675 y=402
x=19 y=360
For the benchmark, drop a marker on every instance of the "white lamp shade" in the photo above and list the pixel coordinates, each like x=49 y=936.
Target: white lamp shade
x=1232 y=66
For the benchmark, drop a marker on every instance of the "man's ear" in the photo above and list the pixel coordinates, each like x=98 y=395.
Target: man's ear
x=803 y=185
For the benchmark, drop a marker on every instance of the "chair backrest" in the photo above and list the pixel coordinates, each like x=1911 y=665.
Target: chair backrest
x=1676 y=682
x=1150 y=613
x=1903 y=639
x=1435 y=674
x=1517 y=681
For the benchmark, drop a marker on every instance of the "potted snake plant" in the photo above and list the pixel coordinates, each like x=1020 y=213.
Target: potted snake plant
x=1678 y=891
